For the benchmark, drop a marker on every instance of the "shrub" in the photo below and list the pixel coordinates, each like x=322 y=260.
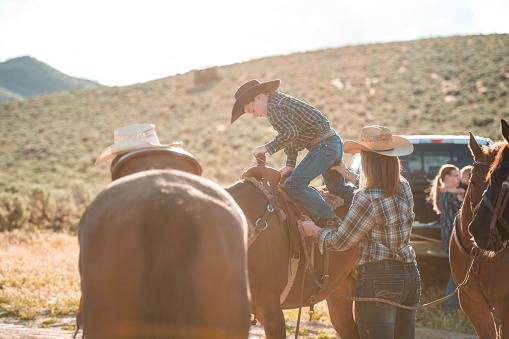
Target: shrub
x=33 y=207
x=12 y=211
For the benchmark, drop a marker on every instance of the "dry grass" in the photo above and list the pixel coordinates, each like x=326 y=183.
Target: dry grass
x=39 y=278
x=39 y=269
x=430 y=86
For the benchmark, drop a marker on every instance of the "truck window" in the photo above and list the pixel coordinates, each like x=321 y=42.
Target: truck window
x=428 y=158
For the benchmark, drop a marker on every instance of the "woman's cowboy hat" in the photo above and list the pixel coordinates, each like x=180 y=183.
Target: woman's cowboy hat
x=379 y=139
x=130 y=138
x=248 y=91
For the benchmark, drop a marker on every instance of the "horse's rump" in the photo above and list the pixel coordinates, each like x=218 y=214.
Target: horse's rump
x=162 y=254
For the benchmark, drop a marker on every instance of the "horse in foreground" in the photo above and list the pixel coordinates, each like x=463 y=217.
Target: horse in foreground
x=163 y=254
x=278 y=276
x=490 y=228
x=486 y=289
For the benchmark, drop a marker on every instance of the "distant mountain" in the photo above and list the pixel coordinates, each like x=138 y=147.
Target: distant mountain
x=26 y=77
x=6 y=95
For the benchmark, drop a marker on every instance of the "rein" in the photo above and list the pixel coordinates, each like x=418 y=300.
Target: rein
x=261 y=224
x=487 y=298
x=497 y=212
x=473 y=255
x=75 y=333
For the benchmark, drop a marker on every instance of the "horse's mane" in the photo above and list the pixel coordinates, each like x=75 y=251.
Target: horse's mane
x=495 y=152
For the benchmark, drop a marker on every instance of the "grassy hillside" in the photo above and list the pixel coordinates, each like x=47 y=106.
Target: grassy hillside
x=27 y=77
x=443 y=86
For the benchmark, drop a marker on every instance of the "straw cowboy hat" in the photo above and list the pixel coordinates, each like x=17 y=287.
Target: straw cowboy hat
x=379 y=139
x=130 y=138
x=248 y=91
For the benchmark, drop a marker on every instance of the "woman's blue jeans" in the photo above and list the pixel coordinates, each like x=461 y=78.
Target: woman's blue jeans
x=390 y=280
x=318 y=161
x=453 y=302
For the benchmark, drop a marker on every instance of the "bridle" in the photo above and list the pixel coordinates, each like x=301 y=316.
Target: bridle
x=497 y=211
x=473 y=208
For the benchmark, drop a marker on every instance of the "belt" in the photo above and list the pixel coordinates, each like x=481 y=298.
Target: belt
x=321 y=137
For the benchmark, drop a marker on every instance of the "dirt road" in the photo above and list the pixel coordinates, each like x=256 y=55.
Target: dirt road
x=14 y=329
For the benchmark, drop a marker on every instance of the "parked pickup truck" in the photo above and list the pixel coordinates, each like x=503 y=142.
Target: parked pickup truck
x=420 y=168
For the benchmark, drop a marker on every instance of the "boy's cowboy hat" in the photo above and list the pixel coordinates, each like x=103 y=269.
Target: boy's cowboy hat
x=248 y=91
x=130 y=138
x=379 y=139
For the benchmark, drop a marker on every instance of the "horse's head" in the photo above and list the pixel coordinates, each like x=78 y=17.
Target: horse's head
x=483 y=155
x=490 y=225
x=154 y=158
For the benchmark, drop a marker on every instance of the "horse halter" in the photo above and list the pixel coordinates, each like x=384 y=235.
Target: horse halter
x=473 y=208
x=497 y=211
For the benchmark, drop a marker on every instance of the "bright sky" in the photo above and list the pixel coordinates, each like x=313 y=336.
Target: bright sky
x=123 y=42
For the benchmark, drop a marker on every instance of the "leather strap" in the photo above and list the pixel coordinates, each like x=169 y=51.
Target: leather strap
x=321 y=137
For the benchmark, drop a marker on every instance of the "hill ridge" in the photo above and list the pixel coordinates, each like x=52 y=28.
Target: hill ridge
x=27 y=77
x=429 y=86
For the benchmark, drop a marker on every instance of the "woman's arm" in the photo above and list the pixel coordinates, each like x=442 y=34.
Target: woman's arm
x=346 y=173
x=452 y=190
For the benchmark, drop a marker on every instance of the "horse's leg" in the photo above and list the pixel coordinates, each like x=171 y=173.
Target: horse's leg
x=479 y=316
x=341 y=310
x=269 y=313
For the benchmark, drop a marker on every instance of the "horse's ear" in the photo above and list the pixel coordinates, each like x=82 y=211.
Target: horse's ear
x=475 y=149
x=504 y=127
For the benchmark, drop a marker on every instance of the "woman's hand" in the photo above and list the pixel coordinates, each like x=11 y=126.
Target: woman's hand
x=342 y=169
x=308 y=228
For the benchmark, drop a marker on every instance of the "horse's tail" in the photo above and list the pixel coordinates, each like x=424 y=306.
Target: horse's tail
x=170 y=243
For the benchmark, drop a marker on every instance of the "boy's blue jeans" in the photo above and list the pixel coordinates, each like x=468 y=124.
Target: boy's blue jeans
x=390 y=280
x=317 y=161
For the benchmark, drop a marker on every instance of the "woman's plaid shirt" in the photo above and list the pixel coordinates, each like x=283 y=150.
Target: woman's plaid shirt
x=296 y=123
x=380 y=225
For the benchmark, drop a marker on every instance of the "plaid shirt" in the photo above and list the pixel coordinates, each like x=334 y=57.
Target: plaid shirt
x=296 y=123
x=381 y=226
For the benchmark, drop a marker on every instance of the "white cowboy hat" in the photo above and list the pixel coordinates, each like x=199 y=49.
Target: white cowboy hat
x=379 y=139
x=130 y=138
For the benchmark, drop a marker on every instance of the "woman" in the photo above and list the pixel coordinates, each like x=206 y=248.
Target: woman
x=447 y=199
x=379 y=220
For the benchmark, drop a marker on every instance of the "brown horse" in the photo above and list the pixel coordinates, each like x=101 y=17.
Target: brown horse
x=163 y=255
x=269 y=267
x=496 y=196
x=486 y=287
x=490 y=229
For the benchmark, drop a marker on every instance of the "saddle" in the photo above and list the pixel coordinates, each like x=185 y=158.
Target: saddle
x=290 y=212
x=154 y=158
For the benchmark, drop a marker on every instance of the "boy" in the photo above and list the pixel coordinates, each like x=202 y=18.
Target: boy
x=299 y=126
x=465 y=176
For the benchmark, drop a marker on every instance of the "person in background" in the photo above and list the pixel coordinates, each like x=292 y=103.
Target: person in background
x=465 y=176
x=380 y=222
x=299 y=126
x=462 y=188
x=446 y=202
